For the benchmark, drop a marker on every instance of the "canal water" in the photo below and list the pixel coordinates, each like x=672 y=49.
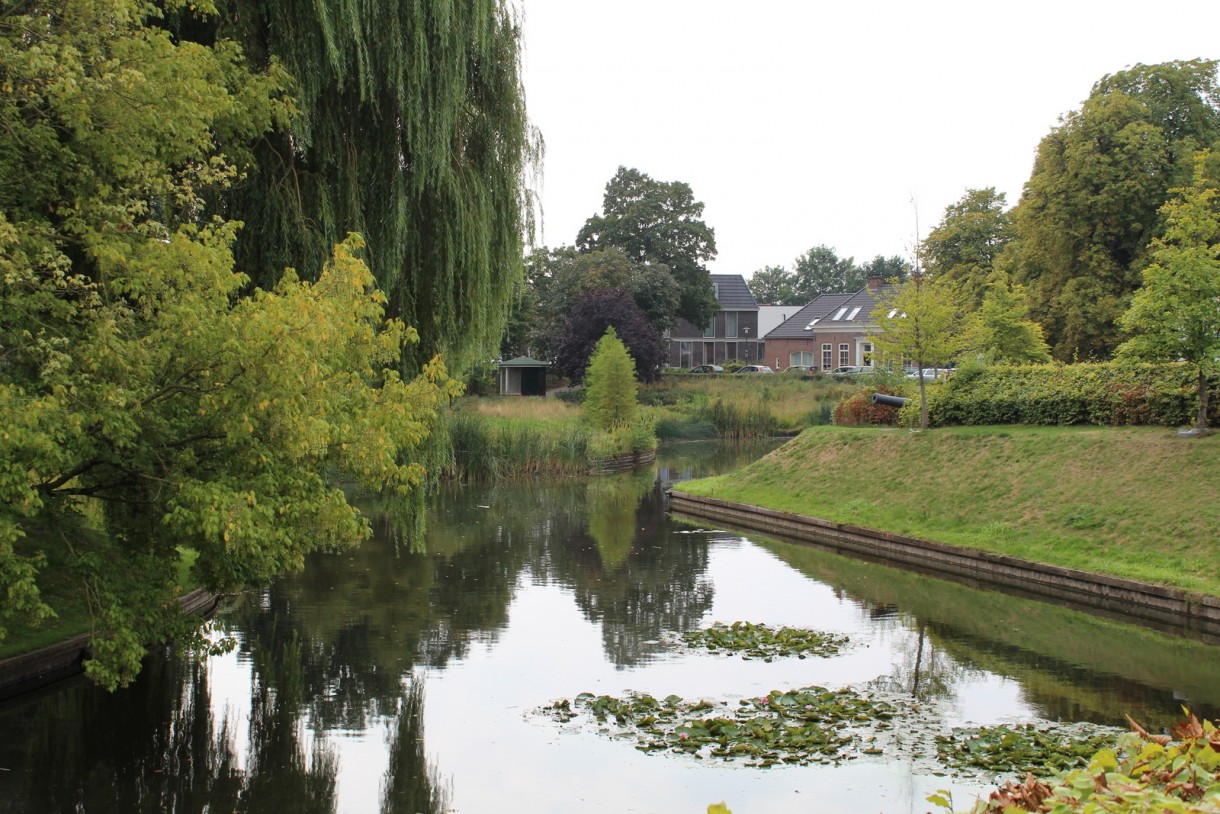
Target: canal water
x=390 y=680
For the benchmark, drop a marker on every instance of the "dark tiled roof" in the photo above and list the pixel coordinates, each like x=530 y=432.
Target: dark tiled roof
x=732 y=293
x=794 y=327
x=853 y=312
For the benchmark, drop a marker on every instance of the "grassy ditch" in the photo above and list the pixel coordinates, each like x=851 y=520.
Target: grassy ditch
x=1131 y=502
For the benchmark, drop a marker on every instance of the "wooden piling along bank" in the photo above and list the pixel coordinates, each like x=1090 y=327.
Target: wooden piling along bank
x=1154 y=603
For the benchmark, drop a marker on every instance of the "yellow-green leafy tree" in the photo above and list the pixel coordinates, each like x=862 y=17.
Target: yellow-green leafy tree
x=922 y=320
x=148 y=403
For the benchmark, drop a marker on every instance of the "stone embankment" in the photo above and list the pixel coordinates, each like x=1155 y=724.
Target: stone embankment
x=30 y=671
x=1154 y=603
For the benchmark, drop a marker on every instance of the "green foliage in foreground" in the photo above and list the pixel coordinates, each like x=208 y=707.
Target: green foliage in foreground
x=149 y=398
x=795 y=727
x=1142 y=773
x=763 y=642
x=1106 y=500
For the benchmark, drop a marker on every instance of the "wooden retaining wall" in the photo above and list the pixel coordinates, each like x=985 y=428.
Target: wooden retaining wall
x=631 y=460
x=29 y=671
x=1129 y=597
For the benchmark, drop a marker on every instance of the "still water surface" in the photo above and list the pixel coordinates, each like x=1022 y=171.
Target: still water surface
x=382 y=680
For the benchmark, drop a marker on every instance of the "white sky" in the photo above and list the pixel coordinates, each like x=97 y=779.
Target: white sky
x=803 y=122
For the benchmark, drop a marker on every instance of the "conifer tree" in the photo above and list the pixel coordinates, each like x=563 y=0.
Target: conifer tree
x=610 y=398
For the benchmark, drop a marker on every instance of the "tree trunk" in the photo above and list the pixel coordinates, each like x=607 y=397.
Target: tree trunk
x=1203 y=395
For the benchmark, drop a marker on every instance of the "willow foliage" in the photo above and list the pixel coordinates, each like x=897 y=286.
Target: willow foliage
x=412 y=132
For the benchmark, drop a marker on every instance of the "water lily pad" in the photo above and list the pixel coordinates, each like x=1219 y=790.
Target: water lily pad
x=809 y=725
x=1016 y=750
x=760 y=641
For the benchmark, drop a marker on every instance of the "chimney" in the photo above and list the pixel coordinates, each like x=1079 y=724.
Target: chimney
x=875 y=281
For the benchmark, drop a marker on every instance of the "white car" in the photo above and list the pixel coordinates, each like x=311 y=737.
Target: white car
x=754 y=369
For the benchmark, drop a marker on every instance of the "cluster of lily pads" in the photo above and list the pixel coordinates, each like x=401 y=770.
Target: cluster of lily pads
x=763 y=642
x=1016 y=750
x=809 y=725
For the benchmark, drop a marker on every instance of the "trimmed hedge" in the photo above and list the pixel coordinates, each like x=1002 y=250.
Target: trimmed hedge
x=1100 y=393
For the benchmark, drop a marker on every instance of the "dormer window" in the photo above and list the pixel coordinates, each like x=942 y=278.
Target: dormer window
x=853 y=313
x=839 y=315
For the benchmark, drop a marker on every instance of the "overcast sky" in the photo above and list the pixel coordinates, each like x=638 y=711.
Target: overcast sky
x=803 y=122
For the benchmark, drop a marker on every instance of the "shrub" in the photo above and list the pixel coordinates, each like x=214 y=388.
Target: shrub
x=858 y=410
x=1102 y=393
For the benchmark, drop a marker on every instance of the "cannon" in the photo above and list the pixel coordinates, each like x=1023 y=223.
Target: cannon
x=889 y=401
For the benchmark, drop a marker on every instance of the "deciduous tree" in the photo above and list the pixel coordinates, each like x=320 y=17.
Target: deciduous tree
x=923 y=320
x=591 y=314
x=774 y=285
x=146 y=406
x=658 y=222
x=1176 y=313
x=820 y=271
x=1090 y=208
x=1000 y=330
x=410 y=129
x=965 y=244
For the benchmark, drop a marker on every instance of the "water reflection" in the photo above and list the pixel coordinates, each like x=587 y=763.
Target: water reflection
x=532 y=592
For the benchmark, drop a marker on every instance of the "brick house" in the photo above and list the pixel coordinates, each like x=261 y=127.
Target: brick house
x=832 y=331
x=733 y=335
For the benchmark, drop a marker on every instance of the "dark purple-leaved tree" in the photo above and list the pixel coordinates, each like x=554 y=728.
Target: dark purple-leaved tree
x=591 y=313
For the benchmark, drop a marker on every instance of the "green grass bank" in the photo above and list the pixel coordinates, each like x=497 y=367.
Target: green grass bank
x=1132 y=502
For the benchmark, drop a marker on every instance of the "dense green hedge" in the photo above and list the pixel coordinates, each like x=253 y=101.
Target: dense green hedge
x=1103 y=393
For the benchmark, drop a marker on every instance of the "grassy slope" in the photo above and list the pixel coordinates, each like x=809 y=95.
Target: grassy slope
x=1132 y=502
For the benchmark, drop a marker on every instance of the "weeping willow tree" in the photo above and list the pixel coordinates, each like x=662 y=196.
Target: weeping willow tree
x=412 y=131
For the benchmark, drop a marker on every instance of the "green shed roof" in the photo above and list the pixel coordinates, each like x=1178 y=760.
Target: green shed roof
x=524 y=361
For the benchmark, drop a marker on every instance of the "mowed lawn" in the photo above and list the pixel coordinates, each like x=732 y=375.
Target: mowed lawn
x=1136 y=502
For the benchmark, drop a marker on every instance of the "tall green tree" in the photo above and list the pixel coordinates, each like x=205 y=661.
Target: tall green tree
x=923 y=320
x=1090 y=208
x=893 y=268
x=773 y=285
x=411 y=130
x=1175 y=315
x=965 y=244
x=1000 y=330
x=146 y=406
x=820 y=271
x=658 y=222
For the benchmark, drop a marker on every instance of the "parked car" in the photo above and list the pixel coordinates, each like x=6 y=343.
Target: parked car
x=803 y=370
x=707 y=369
x=851 y=370
x=754 y=369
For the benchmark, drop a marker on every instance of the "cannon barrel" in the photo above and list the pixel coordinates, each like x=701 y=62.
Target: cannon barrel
x=889 y=401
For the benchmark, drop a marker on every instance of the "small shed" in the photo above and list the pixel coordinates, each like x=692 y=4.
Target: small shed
x=523 y=376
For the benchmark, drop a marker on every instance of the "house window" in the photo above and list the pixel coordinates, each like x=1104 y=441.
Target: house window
x=709 y=353
x=800 y=357
x=844 y=355
x=710 y=330
x=730 y=351
x=827 y=360
x=730 y=323
x=866 y=351
x=684 y=355
x=841 y=313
